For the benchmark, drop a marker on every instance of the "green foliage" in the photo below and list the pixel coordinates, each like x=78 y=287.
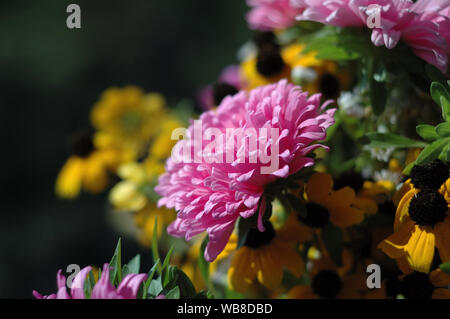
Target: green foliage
x=202 y=263
x=389 y=140
x=333 y=240
x=445 y=267
x=115 y=275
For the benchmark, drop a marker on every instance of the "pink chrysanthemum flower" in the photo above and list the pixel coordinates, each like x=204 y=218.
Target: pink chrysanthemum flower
x=423 y=25
x=267 y=15
x=210 y=196
x=103 y=289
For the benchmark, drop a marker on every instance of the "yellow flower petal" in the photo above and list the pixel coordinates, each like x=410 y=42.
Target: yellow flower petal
x=68 y=182
x=268 y=270
x=420 y=249
x=241 y=273
x=441 y=293
x=318 y=188
x=439 y=278
x=302 y=292
x=394 y=245
x=442 y=233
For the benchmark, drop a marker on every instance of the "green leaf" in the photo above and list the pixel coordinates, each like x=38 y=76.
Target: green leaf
x=151 y=274
x=203 y=265
x=155 y=288
x=116 y=263
x=445 y=267
x=333 y=240
x=445 y=105
x=427 y=132
x=174 y=293
x=89 y=284
x=164 y=272
x=437 y=91
x=335 y=44
x=378 y=96
x=387 y=140
x=408 y=168
x=443 y=129
x=187 y=289
x=379 y=72
x=155 y=249
x=133 y=266
x=432 y=151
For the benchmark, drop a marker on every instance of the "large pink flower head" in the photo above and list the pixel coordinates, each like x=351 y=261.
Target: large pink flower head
x=103 y=289
x=267 y=15
x=424 y=25
x=260 y=137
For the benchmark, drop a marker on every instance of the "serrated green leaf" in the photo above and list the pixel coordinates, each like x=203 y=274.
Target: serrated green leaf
x=445 y=267
x=427 y=132
x=203 y=265
x=443 y=129
x=432 y=151
x=388 y=140
x=333 y=240
x=115 y=275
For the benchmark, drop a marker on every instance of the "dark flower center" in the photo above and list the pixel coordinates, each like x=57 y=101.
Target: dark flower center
x=329 y=85
x=264 y=38
x=269 y=61
x=429 y=176
x=327 y=284
x=82 y=145
x=221 y=90
x=256 y=239
x=417 y=286
x=352 y=179
x=317 y=216
x=428 y=208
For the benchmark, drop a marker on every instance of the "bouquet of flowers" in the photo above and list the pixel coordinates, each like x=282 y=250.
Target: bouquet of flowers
x=318 y=167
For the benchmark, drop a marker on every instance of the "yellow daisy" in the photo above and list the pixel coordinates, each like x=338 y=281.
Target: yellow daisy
x=262 y=259
x=422 y=221
x=88 y=169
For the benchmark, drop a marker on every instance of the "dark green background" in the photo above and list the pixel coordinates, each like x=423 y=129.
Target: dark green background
x=49 y=78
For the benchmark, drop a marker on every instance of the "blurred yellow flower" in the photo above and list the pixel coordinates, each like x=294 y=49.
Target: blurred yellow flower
x=129 y=117
x=88 y=168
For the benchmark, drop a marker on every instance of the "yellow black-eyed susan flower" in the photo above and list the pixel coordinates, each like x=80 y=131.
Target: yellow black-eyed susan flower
x=422 y=221
x=323 y=205
x=87 y=168
x=262 y=259
x=418 y=285
x=328 y=281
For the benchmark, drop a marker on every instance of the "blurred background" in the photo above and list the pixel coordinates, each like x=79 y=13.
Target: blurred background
x=50 y=76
